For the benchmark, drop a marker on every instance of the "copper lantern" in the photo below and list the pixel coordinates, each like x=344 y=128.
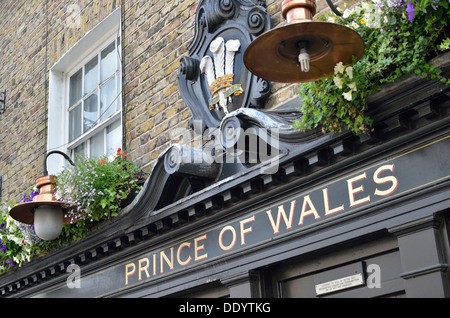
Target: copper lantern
x=303 y=50
x=45 y=212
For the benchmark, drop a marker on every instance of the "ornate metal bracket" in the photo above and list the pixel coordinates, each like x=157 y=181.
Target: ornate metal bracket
x=213 y=80
x=193 y=162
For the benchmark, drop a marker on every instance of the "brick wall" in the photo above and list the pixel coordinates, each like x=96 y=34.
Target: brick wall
x=33 y=36
x=23 y=125
x=155 y=34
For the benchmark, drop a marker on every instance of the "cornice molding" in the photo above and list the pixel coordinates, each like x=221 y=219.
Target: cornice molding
x=419 y=109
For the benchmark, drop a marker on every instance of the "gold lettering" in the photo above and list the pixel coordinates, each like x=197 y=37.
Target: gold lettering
x=188 y=260
x=233 y=240
x=247 y=230
x=382 y=180
x=352 y=191
x=282 y=213
x=168 y=261
x=307 y=201
x=326 y=203
x=198 y=248
x=154 y=264
x=143 y=268
x=129 y=272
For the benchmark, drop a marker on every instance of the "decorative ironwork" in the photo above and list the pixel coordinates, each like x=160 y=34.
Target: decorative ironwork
x=213 y=80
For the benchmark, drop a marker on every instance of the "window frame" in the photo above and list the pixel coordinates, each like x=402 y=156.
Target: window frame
x=104 y=124
x=57 y=119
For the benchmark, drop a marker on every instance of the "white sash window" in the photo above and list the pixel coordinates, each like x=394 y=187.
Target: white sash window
x=94 y=104
x=85 y=96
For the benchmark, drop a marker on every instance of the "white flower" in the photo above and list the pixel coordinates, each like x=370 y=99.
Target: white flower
x=346 y=13
x=338 y=81
x=373 y=15
x=349 y=71
x=352 y=86
x=14 y=238
x=339 y=68
x=367 y=7
x=348 y=95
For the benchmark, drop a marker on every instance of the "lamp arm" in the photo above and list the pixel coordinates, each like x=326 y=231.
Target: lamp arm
x=333 y=8
x=55 y=152
x=3 y=102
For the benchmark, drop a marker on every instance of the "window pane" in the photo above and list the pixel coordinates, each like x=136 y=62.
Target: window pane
x=91 y=75
x=94 y=96
x=108 y=100
x=75 y=122
x=108 y=61
x=119 y=52
x=80 y=151
x=97 y=144
x=113 y=137
x=119 y=92
x=90 y=114
x=75 y=88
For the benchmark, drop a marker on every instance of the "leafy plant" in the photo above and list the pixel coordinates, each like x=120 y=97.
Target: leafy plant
x=445 y=45
x=97 y=186
x=17 y=240
x=399 y=37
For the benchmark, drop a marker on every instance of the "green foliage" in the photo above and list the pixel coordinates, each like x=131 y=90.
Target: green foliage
x=16 y=245
x=95 y=186
x=445 y=45
x=399 y=37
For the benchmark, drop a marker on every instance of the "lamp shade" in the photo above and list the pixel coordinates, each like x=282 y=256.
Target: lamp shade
x=48 y=221
x=303 y=50
x=44 y=208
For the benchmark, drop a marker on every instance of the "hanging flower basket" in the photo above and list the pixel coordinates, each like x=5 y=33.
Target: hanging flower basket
x=99 y=187
x=400 y=38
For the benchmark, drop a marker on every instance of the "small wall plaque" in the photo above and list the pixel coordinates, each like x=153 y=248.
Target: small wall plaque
x=340 y=284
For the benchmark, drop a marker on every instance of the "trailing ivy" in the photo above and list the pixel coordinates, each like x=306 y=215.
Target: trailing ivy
x=400 y=37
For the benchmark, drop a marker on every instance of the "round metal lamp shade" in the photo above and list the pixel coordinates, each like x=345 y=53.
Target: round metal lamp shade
x=273 y=55
x=24 y=212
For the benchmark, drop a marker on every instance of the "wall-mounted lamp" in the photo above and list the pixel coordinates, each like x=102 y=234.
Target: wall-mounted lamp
x=303 y=50
x=45 y=212
x=3 y=102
